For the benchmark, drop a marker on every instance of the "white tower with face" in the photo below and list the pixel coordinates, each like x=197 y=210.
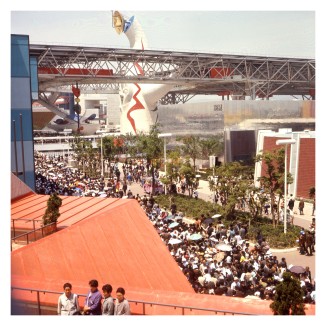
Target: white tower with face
x=139 y=101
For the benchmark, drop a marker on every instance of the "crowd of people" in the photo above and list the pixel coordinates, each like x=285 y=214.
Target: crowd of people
x=53 y=174
x=95 y=303
x=219 y=260
x=216 y=259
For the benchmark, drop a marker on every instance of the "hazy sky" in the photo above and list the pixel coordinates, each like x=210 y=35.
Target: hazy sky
x=268 y=33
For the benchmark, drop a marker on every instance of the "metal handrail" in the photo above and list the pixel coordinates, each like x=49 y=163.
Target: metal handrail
x=29 y=232
x=23 y=219
x=151 y=303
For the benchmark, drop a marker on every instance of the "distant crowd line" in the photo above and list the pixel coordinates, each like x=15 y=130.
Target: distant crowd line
x=53 y=174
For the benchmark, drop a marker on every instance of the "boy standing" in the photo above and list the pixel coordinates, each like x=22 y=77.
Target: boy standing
x=108 y=304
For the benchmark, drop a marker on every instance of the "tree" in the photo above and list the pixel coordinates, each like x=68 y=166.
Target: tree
x=211 y=146
x=188 y=172
x=130 y=144
x=233 y=181
x=289 y=297
x=112 y=146
x=88 y=158
x=52 y=211
x=109 y=150
x=272 y=178
x=312 y=192
x=150 y=146
x=256 y=200
x=191 y=147
x=172 y=168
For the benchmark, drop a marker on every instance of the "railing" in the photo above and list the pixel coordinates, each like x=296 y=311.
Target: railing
x=31 y=234
x=39 y=306
x=23 y=219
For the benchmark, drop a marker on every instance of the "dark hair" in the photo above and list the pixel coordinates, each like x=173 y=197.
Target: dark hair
x=121 y=290
x=107 y=288
x=67 y=285
x=93 y=283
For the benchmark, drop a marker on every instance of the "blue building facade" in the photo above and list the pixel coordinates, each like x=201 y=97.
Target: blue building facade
x=24 y=89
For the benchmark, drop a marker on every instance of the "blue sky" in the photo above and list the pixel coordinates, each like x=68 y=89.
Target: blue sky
x=268 y=33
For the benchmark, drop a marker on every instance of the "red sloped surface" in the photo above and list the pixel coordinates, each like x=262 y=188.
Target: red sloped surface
x=118 y=245
x=73 y=209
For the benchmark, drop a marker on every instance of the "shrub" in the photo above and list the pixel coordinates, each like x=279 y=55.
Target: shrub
x=190 y=207
x=275 y=236
x=289 y=297
x=52 y=212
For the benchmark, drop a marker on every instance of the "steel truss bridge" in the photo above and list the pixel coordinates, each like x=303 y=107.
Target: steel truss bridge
x=101 y=70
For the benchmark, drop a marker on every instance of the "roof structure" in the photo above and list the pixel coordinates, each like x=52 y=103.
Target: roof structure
x=74 y=209
x=117 y=245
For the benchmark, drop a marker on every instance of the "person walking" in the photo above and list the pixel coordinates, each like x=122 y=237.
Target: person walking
x=309 y=243
x=124 y=188
x=301 y=206
x=312 y=229
x=121 y=305
x=302 y=242
x=291 y=206
x=68 y=302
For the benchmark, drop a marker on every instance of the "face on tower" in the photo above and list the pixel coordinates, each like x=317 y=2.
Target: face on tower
x=118 y=22
x=138 y=103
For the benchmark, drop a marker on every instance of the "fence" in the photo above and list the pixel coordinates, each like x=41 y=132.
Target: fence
x=33 y=235
x=34 y=302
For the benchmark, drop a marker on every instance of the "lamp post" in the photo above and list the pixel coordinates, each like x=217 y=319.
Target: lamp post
x=285 y=142
x=101 y=132
x=102 y=162
x=164 y=137
x=77 y=108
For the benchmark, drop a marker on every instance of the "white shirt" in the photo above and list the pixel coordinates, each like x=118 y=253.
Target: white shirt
x=233 y=285
x=67 y=306
x=122 y=308
x=238 y=238
x=207 y=277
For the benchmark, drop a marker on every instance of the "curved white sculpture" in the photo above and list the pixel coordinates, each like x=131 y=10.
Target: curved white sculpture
x=138 y=107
